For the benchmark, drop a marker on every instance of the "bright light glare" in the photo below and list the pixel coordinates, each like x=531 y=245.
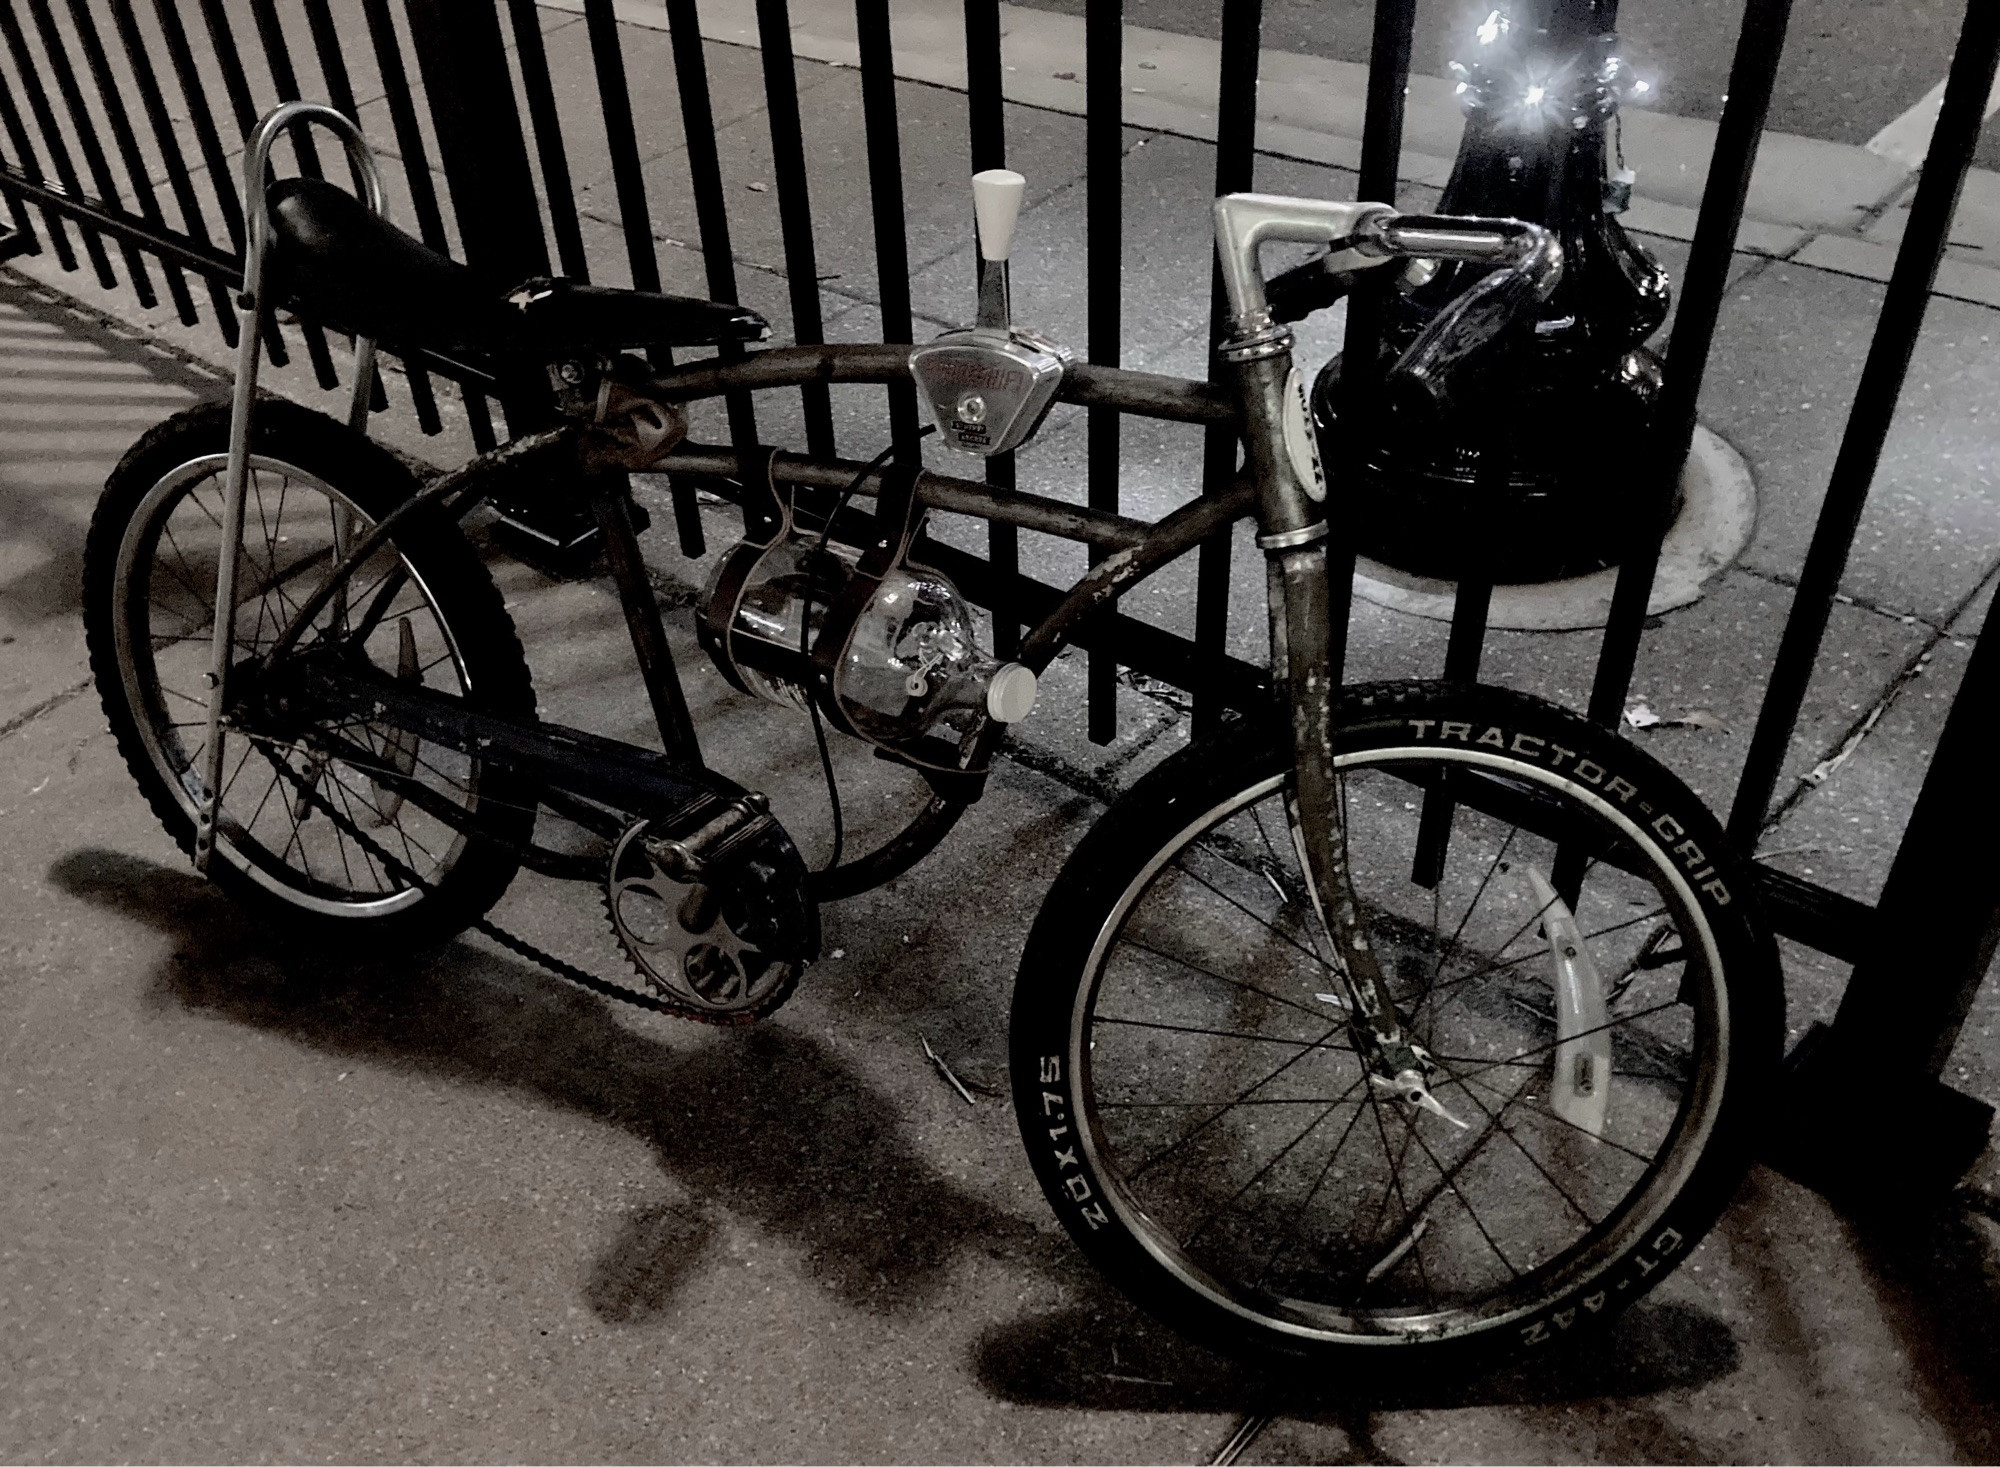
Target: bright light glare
x=1640 y=86
x=1490 y=28
x=1535 y=95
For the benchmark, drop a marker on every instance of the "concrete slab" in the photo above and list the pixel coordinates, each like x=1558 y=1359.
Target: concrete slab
x=1788 y=358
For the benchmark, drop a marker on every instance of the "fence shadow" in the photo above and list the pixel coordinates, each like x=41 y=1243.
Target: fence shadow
x=767 y=1123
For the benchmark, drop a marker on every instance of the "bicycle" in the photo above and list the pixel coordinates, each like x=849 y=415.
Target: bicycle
x=1410 y=1014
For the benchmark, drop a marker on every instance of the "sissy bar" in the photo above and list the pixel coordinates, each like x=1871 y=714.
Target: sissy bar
x=249 y=351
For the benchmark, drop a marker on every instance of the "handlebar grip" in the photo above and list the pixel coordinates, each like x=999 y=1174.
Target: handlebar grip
x=1296 y=293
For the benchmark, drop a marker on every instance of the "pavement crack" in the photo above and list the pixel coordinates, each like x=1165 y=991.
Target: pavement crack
x=48 y=705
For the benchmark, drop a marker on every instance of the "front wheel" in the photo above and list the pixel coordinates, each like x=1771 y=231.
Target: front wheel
x=1567 y=946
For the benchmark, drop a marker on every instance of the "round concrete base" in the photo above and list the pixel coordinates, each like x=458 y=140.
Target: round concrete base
x=1718 y=512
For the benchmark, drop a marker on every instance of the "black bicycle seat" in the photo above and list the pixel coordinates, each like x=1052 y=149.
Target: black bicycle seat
x=563 y=315
x=343 y=265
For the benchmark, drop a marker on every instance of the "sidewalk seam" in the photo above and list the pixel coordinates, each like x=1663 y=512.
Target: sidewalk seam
x=48 y=705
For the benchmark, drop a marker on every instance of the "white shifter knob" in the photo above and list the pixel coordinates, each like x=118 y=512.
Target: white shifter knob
x=996 y=204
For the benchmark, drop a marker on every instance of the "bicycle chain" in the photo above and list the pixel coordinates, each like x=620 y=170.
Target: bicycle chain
x=561 y=967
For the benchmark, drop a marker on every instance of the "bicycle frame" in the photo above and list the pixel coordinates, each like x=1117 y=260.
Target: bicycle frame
x=1282 y=488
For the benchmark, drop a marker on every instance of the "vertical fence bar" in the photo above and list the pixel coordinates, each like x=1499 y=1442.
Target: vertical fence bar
x=30 y=164
x=711 y=209
x=557 y=188
x=278 y=56
x=423 y=200
x=885 y=187
x=229 y=62
x=201 y=117
x=17 y=207
x=111 y=96
x=45 y=119
x=221 y=171
x=788 y=167
x=986 y=124
x=1104 y=209
x=1896 y=332
x=340 y=92
x=179 y=180
x=622 y=139
x=1751 y=76
x=1235 y=172
x=1381 y=160
x=1469 y=608
x=86 y=137
x=623 y=143
x=463 y=62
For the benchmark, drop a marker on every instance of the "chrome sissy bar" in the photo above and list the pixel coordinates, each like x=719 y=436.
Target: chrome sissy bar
x=249 y=350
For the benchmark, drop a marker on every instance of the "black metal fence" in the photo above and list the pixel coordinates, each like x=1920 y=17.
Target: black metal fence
x=469 y=97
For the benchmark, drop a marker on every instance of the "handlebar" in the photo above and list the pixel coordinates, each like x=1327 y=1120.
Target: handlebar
x=1532 y=266
x=1528 y=263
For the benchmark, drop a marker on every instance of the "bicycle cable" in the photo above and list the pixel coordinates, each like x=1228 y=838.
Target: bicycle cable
x=805 y=641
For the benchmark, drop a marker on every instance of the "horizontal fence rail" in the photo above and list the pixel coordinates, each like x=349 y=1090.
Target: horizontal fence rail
x=119 y=122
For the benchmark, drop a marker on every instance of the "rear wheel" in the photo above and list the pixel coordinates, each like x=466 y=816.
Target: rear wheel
x=399 y=841
x=1199 y=1106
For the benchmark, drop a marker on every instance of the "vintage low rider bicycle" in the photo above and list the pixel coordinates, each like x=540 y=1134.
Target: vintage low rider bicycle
x=1411 y=1014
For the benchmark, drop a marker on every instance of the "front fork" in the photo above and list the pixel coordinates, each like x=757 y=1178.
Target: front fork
x=1292 y=524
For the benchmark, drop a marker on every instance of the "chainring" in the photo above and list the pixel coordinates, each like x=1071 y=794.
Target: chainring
x=679 y=938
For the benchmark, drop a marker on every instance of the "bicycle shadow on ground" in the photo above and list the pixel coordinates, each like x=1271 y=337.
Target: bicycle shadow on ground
x=1105 y=1355
x=765 y=1122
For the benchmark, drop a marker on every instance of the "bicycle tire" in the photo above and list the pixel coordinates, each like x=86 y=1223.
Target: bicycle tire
x=144 y=604
x=1133 y=1121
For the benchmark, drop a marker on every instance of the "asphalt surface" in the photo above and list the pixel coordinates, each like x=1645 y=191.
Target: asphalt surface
x=1850 y=66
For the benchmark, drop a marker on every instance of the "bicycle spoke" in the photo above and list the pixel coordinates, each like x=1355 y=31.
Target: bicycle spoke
x=1260 y=921
x=1232 y=982
x=1202 y=1126
x=1298 y=1212
x=1261 y=1172
x=1224 y=1033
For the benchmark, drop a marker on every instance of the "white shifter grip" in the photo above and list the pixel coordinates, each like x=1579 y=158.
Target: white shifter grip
x=996 y=204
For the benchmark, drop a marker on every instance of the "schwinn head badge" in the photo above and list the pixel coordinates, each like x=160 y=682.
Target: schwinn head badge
x=990 y=387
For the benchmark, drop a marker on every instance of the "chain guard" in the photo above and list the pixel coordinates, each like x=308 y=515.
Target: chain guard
x=726 y=952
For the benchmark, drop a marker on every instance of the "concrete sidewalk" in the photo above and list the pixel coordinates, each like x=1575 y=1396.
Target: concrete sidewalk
x=456 y=1210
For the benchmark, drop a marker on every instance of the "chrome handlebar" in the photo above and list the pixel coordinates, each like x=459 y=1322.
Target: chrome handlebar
x=1528 y=258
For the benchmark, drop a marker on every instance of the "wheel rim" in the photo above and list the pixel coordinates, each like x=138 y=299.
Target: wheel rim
x=1240 y=1141
x=275 y=829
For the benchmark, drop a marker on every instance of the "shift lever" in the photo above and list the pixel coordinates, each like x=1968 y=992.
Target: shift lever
x=996 y=204
x=989 y=386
